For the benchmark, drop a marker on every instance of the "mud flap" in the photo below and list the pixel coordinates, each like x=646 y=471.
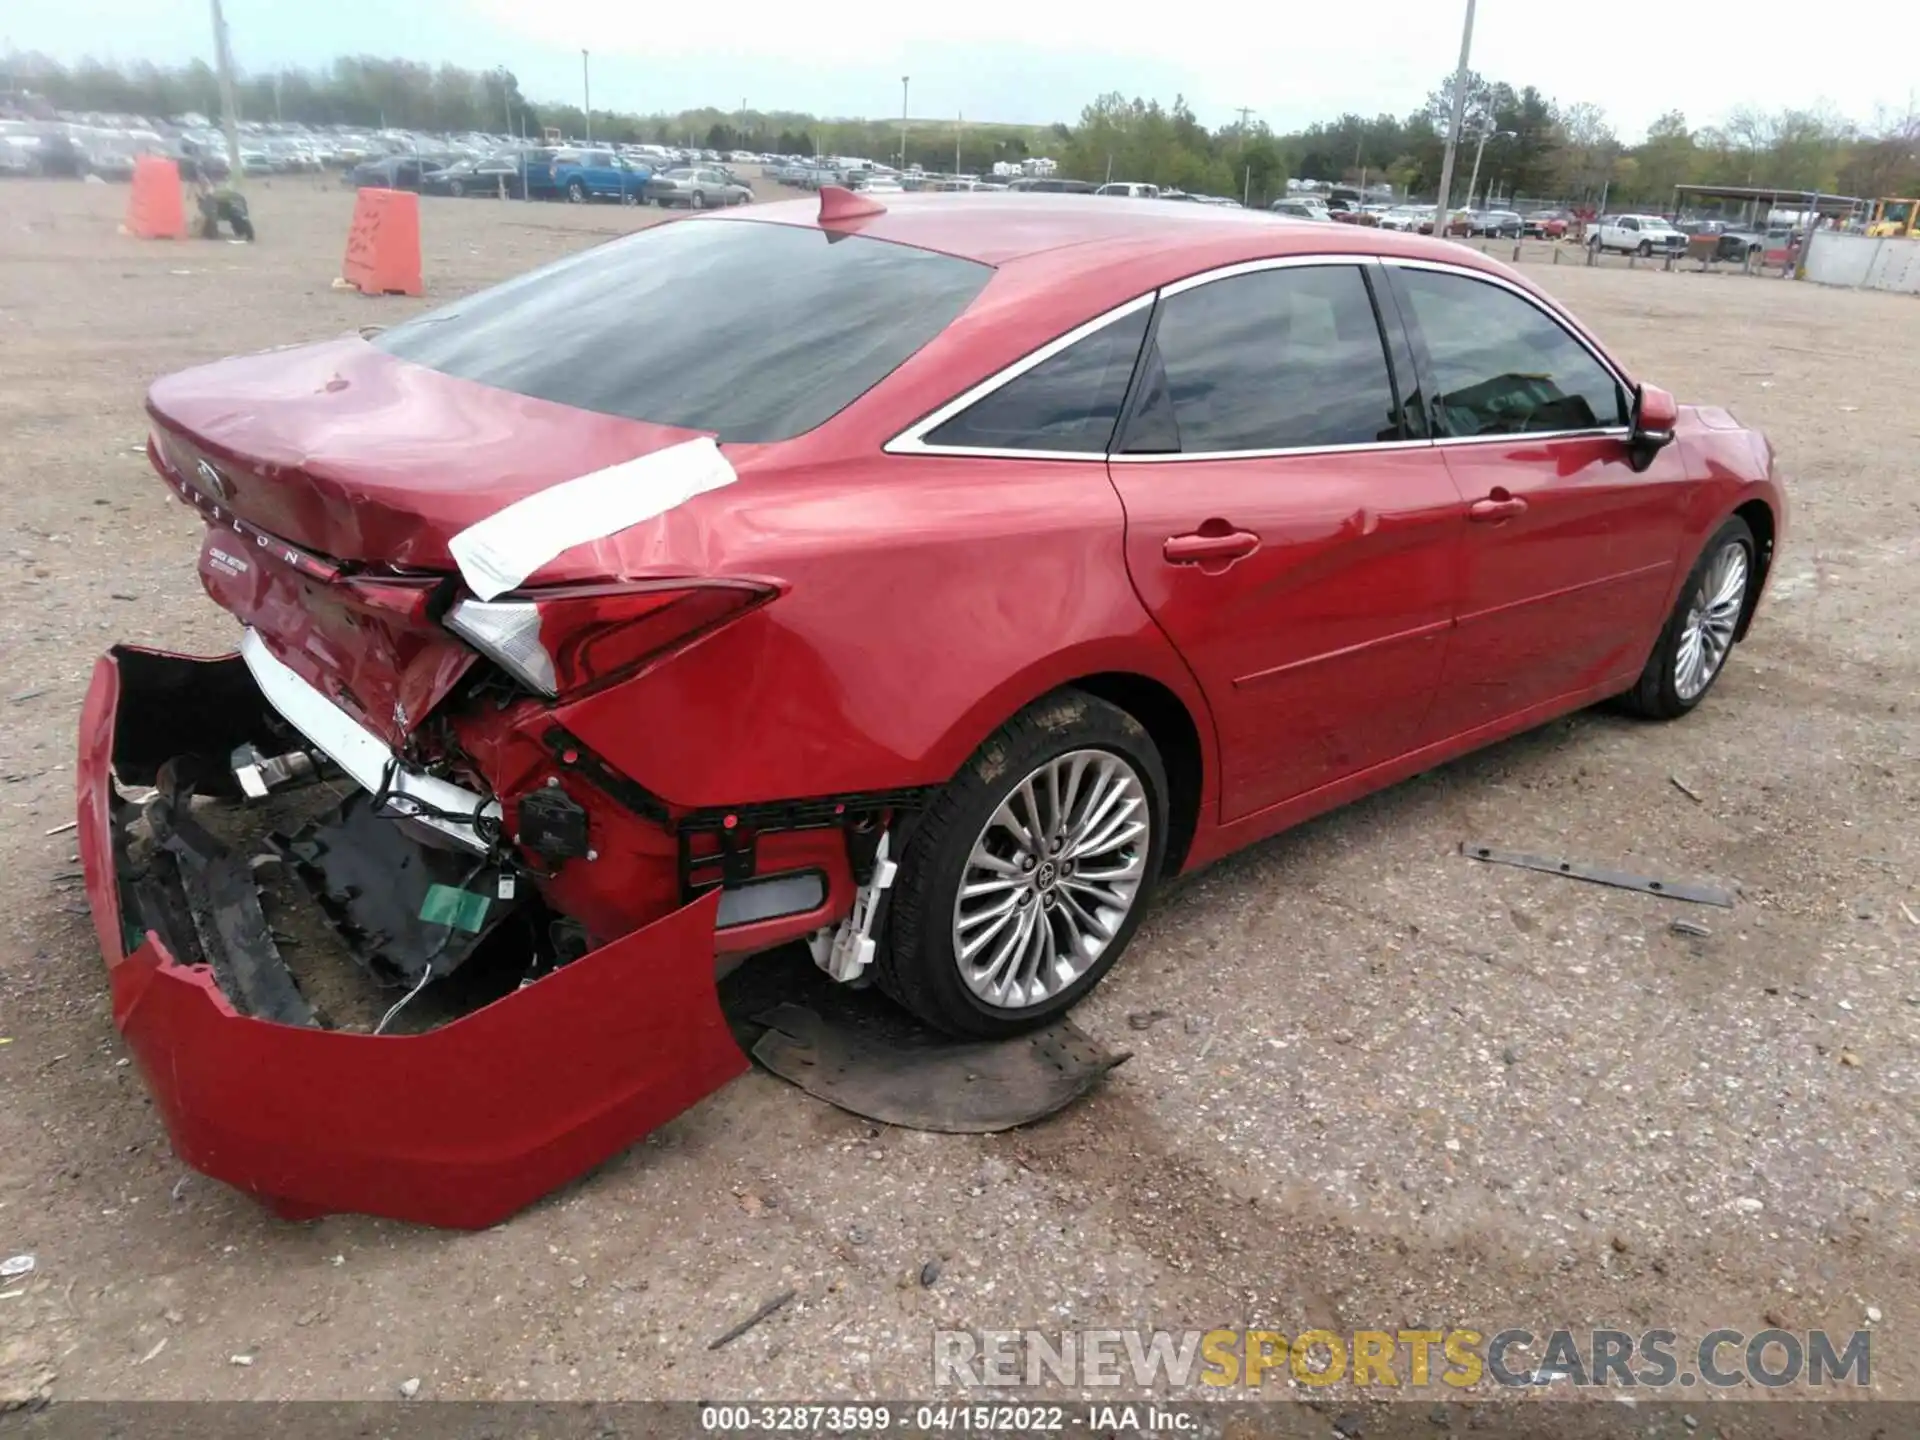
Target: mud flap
x=857 y=1050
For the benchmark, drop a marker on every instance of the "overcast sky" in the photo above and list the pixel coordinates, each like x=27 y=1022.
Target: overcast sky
x=1290 y=63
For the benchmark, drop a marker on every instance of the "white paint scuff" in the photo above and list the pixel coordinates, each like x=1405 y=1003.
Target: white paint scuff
x=498 y=553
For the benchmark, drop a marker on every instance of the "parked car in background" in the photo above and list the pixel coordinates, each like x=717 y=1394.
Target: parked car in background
x=701 y=188
x=488 y=177
x=1636 y=235
x=583 y=175
x=1298 y=208
x=1130 y=189
x=1497 y=224
x=1547 y=224
x=623 y=626
x=1050 y=185
x=1405 y=218
x=395 y=172
x=1732 y=242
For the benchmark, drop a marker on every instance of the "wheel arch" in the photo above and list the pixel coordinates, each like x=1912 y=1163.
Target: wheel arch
x=1762 y=522
x=1163 y=697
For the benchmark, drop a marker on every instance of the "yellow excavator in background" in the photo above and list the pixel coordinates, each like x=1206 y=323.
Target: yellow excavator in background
x=1894 y=219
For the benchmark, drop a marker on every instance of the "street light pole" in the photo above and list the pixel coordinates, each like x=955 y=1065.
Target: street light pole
x=1453 y=124
x=586 y=95
x=903 y=120
x=1486 y=133
x=229 y=111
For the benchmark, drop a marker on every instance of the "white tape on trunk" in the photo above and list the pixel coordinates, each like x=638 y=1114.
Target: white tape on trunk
x=499 y=552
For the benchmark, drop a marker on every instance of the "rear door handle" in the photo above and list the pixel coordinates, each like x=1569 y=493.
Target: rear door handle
x=1207 y=545
x=1496 y=507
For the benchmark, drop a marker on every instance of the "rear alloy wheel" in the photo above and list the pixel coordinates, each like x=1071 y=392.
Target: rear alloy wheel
x=699 y=201
x=1699 y=635
x=576 y=192
x=1646 y=249
x=456 y=189
x=627 y=197
x=1026 y=877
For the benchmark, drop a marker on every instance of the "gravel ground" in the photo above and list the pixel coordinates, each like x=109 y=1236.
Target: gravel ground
x=1392 y=1087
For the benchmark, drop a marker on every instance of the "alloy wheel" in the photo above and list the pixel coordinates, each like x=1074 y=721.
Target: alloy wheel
x=1714 y=612
x=1051 y=878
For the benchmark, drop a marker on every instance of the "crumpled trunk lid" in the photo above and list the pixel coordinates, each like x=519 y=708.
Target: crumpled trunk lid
x=360 y=457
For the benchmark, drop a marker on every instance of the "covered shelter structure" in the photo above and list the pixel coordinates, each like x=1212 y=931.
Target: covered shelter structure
x=1756 y=202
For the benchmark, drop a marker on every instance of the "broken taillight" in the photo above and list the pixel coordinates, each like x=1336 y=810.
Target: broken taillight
x=562 y=642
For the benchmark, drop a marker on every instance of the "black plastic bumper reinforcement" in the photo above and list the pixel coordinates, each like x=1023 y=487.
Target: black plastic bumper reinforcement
x=862 y=815
x=1690 y=890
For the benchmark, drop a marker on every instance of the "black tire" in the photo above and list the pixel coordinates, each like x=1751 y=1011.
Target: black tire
x=627 y=197
x=456 y=189
x=1646 y=249
x=576 y=193
x=916 y=964
x=699 y=201
x=1655 y=695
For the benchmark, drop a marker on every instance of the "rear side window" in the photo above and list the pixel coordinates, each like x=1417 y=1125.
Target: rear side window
x=1275 y=360
x=1503 y=366
x=1067 y=403
x=754 y=332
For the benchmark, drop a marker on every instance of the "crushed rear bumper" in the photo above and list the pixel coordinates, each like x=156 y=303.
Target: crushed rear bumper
x=458 y=1126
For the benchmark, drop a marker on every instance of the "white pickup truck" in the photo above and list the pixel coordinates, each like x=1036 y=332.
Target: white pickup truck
x=1636 y=235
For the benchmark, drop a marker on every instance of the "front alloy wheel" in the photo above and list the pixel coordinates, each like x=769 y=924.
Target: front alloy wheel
x=1700 y=632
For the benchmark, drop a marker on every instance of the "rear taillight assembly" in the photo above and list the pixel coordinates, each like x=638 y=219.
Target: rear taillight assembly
x=563 y=642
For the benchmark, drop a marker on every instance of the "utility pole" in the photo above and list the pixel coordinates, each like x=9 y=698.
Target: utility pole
x=1453 y=125
x=1244 y=112
x=586 y=95
x=229 y=111
x=959 y=127
x=743 y=121
x=903 y=120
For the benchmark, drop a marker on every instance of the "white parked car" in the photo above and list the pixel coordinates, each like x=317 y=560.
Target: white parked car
x=1636 y=235
x=1132 y=189
x=1297 y=208
x=1405 y=217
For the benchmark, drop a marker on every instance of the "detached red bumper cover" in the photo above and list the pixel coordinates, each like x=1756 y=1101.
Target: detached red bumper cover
x=459 y=1126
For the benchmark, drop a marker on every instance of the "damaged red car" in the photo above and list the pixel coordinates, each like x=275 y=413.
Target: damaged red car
x=926 y=583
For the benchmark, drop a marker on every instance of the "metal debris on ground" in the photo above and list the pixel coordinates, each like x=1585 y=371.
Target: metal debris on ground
x=754 y=1319
x=1689 y=927
x=26 y=695
x=1693 y=891
x=929 y=1273
x=63 y=829
x=1147 y=1019
x=15 y=1266
x=1685 y=789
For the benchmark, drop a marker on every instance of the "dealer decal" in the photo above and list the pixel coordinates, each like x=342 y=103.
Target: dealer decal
x=497 y=553
x=226 y=564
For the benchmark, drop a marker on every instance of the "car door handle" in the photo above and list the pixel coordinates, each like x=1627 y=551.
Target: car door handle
x=1210 y=544
x=1497 y=507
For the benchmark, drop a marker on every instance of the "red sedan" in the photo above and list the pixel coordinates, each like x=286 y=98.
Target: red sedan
x=925 y=582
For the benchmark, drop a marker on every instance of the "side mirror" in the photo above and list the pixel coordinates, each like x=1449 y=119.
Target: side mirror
x=1655 y=413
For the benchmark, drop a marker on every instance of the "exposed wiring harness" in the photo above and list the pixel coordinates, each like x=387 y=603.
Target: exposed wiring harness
x=392 y=804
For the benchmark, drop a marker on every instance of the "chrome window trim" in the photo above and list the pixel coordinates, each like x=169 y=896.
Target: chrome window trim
x=1468 y=272
x=911 y=441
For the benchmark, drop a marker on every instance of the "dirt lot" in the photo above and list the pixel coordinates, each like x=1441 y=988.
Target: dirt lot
x=1392 y=1087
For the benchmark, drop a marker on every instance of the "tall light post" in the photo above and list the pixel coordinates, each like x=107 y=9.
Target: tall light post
x=586 y=95
x=1487 y=132
x=229 y=110
x=903 y=120
x=1453 y=124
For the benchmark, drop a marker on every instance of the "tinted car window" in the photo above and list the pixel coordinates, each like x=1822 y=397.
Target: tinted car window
x=754 y=332
x=1503 y=366
x=1273 y=360
x=1068 y=402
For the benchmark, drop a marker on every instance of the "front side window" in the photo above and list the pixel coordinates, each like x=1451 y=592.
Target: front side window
x=1067 y=403
x=1502 y=365
x=753 y=332
x=1274 y=360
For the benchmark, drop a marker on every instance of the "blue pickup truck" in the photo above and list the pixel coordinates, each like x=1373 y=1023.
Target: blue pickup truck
x=583 y=175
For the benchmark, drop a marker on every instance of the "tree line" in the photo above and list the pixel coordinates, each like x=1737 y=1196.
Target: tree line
x=1528 y=146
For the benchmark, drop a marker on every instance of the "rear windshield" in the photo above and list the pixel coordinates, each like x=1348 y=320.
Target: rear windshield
x=753 y=331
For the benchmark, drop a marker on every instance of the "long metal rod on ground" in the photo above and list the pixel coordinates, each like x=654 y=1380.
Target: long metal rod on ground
x=1689 y=890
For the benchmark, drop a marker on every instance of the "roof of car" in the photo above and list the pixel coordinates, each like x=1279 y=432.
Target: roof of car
x=1009 y=226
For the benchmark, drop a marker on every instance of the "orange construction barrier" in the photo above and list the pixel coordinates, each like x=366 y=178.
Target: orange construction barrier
x=155 y=210
x=383 y=247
